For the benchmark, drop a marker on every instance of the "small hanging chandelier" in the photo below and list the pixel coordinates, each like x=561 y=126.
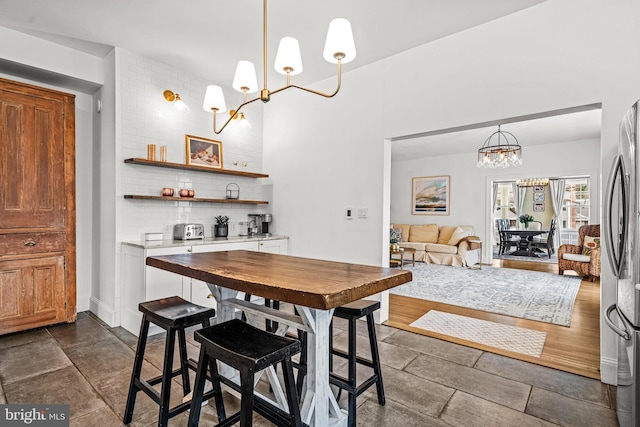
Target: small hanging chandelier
x=339 y=49
x=505 y=151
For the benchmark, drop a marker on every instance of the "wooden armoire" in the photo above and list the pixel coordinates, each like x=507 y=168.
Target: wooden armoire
x=37 y=207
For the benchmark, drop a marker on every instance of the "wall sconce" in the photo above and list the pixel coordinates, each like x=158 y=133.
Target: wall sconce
x=243 y=120
x=178 y=103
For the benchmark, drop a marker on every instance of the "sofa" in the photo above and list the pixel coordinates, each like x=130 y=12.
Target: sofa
x=445 y=244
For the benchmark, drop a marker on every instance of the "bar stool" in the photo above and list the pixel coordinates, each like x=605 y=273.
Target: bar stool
x=249 y=350
x=172 y=314
x=352 y=312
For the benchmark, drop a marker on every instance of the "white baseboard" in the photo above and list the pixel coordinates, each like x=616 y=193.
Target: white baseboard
x=609 y=370
x=104 y=312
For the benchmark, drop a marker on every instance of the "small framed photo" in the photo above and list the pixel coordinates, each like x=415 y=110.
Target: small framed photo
x=204 y=152
x=538 y=207
x=538 y=188
x=430 y=195
x=538 y=197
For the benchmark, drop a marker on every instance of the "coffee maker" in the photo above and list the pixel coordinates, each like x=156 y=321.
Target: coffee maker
x=266 y=221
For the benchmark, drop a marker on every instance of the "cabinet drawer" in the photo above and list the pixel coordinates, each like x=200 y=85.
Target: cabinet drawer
x=31 y=243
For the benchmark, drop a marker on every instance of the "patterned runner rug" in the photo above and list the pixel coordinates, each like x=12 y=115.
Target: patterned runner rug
x=505 y=337
x=534 y=295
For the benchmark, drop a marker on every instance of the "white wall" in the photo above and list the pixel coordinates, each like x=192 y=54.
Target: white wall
x=139 y=115
x=470 y=186
x=325 y=155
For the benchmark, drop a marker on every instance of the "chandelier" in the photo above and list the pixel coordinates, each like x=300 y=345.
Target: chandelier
x=339 y=49
x=532 y=182
x=503 y=151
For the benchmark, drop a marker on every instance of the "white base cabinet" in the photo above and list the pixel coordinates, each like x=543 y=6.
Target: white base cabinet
x=141 y=283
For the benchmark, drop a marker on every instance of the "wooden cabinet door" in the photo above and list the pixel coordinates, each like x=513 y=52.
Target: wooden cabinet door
x=31 y=293
x=37 y=207
x=31 y=162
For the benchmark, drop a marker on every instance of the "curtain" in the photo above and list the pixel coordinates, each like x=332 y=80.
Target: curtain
x=494 y=195
x=516 y=198
x=556 y=188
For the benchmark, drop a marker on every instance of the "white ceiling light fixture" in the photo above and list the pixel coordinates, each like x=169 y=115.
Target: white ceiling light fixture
x=178 y=103
x=502 y=152
x=339 y=49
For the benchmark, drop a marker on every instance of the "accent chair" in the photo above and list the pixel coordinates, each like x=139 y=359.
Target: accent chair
x=583 y=258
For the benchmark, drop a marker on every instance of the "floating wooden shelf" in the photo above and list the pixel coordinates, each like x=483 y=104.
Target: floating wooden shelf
x=141 y=161
x=196 y=200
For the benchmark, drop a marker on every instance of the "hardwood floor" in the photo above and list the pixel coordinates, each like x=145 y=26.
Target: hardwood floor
x=574 y=349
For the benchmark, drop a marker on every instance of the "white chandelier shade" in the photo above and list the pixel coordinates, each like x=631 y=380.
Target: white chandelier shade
x=339 y=40
x=288 y=57
x=214 y=99
x=245 y=77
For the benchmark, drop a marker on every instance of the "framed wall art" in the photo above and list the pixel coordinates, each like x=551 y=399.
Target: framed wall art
x=203 y=152
x=538 y=206
x=538 y=188
x=430 y=195
x=538 y=197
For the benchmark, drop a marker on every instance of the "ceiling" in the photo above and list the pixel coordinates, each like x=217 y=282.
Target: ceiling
x=209 y=37
x=577 y=124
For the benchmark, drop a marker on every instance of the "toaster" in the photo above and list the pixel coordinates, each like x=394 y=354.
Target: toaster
x=188 y=231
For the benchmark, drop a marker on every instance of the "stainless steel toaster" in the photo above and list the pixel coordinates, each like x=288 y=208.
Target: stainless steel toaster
x=188 y=231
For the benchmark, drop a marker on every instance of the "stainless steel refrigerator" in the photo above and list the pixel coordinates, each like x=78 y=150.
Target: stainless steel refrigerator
x=621 y=228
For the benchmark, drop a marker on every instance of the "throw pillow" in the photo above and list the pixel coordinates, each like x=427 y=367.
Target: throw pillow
x=396 y=234
x=590 y=244
x=405 y=230
x=458 y=235
x=427 y=233
x=446 y=231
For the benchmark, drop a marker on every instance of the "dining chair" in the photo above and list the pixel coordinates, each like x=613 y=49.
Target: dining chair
x=535 y=225
x=544 y=242
x=506 y=241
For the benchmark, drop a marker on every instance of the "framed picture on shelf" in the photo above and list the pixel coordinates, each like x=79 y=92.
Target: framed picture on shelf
x=538 y=197
x=430 y=195
x=538 y=207
x=203 y=152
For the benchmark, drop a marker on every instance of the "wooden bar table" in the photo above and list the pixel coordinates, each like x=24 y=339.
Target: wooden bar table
x=314 y=287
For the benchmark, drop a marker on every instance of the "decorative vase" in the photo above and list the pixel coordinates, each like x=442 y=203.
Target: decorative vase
x=221 y=230
x=526 y=225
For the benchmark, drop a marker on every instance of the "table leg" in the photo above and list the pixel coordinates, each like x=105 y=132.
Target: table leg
x=319 y=404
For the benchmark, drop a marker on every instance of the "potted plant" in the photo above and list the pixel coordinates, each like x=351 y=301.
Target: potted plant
x=221 y=228
x=525 y=219
x=394 y=247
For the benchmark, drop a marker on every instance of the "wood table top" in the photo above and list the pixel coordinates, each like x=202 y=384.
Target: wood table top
x=303 y=281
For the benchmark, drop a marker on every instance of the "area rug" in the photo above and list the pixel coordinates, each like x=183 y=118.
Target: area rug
x=543 y=297
x=543 y=258
x=497 y=335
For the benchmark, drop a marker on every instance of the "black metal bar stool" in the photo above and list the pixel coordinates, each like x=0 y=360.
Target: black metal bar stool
x=249 y=350
x=352 y=312
x=172 y=314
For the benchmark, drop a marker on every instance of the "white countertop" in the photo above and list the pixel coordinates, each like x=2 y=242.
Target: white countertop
x=153 y=244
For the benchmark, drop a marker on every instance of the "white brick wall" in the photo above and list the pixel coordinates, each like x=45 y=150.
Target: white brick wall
x=146 y=118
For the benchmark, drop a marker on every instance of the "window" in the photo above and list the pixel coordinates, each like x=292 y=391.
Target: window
x=505 y=206
x=576 y=206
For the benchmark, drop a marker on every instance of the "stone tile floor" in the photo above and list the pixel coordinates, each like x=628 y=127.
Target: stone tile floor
x=428 y=382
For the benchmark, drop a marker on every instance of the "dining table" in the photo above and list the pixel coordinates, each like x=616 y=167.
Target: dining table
x=526 y=236
x=314 y=287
